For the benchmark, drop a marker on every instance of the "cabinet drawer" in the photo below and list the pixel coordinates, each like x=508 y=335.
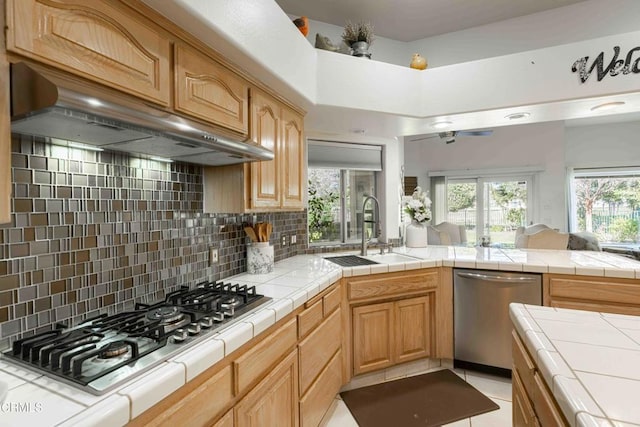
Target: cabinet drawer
x=315 y=403
x=523 y=414
x=209 y=91
x=546 y=409
x=316 y=350
x=331 y=301
x=522 y=363
x=95 y=40
x=258 y=360
x=618 y=291
x=200 y=406
x=391 y=284
x=310 y=318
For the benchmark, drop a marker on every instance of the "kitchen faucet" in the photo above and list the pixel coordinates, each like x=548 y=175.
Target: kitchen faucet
x=376 y=221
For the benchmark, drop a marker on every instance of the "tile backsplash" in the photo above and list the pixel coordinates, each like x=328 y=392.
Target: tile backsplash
x=95 y=232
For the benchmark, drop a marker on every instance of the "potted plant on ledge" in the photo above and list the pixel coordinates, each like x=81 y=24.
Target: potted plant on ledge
x=359 y=37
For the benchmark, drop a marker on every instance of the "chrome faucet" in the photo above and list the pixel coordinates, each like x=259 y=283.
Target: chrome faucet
x=376 y=221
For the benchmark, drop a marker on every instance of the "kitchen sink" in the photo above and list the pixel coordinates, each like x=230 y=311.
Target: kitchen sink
x=356 y=260
x=350 y=260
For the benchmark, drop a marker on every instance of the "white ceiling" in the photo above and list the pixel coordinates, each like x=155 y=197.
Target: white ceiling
x=409 y=20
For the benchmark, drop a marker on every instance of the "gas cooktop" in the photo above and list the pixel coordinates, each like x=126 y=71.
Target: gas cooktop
x=103 y=352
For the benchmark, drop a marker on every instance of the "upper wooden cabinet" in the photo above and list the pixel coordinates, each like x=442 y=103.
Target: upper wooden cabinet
x=94 y=39
x=275 y=185
x=209 y=91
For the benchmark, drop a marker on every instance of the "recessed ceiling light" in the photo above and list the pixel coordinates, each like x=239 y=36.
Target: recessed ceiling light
x=441 y=125
x=83 y=146
x=517 y=116
x=607 y=106
x=161 y=159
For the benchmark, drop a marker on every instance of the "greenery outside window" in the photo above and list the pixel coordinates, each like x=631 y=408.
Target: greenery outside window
x=606 y=202
x=335 y=204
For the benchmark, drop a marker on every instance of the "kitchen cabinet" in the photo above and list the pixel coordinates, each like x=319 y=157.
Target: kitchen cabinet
x=605 y=294
x=321 y=360
x=274 y=401
x=399 y=317
x=274 y=185
x=389 y=333
x=101 y=41
x=533 y=403
x=209 y=91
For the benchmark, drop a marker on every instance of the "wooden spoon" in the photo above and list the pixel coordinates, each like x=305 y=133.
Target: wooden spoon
x=251 y=233
x=269 y=230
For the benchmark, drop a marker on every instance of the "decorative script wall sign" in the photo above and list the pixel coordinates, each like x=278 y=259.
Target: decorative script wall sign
x=616 y=66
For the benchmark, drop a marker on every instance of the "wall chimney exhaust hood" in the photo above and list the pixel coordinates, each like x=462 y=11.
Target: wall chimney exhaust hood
x=48 y=104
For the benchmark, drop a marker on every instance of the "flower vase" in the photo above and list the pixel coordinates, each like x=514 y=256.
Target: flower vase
x=416 y=235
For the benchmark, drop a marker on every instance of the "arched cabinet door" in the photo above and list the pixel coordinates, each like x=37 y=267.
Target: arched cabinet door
x=209 y=91
x=292 y=154
x=265 y=175
x=100 y=41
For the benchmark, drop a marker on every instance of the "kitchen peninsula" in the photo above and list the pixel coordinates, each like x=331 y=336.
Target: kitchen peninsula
x=303 y=288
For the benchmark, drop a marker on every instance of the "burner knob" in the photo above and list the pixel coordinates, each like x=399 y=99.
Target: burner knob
x=179 y=335
x=218 y=316
x=228 y=309
x=206 y=322
x=193 y=328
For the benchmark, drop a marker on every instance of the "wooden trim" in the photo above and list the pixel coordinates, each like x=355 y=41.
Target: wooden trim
x=444 y=315
x=5 y=126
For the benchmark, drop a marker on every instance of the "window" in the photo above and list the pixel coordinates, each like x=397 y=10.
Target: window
x=606 y=202
x=490 y=207
x=341 y=176
x=335 y=204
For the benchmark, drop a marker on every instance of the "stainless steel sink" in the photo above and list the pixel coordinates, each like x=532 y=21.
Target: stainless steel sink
x=350 y=260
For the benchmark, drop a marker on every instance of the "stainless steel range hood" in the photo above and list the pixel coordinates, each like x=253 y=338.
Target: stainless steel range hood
x=46 y=104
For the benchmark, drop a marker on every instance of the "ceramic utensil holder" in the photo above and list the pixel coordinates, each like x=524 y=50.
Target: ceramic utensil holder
x=259 y=258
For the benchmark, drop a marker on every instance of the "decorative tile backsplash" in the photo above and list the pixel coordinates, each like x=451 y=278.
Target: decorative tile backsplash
x=95 y=232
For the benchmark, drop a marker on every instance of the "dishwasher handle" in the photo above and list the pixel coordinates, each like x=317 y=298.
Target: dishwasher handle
x=496 y=278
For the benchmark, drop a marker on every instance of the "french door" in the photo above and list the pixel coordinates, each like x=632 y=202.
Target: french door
x=490 y=208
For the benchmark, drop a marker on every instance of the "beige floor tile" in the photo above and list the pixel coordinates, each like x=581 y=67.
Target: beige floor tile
x=462 y=423
x=498 y=418
x=490 y=385
x=338 y=415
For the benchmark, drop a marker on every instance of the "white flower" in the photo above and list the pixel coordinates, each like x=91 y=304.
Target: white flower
x=418 y=206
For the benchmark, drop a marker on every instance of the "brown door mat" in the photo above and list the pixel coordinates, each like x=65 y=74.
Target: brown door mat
x=426 y=400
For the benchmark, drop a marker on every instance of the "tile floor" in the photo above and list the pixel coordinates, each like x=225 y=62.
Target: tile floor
x=496 y=388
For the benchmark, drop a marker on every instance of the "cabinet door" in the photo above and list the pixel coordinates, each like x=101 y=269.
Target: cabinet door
x=265 y=182
x=292 y=156
x=209 y=91
x=372 y=337
x=93 y=39
x=225 y=421
x=413 y=329
x=274 y=401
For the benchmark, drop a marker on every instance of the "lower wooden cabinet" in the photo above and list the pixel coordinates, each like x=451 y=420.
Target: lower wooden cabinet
x=532 y=402
x=388 y=333
x=225 y=421
x=274 y=401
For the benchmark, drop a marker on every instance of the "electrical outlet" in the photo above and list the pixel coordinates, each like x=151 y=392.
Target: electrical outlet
x=213 y=256
x=294 y=239
x=284 y=240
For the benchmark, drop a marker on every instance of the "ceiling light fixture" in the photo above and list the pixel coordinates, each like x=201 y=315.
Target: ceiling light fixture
x=517 y=116
x=607 y=106
x=161 y=159
x=441 y=125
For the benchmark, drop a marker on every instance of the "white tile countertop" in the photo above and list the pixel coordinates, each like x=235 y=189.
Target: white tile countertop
x=33 y=399
x=589 y=360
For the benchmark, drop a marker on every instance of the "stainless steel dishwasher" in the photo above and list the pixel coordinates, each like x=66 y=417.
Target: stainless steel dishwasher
x=482 y=328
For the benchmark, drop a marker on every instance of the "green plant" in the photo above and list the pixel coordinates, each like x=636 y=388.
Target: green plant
x=360 y=32
x=624 y=229
x=320 y=218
